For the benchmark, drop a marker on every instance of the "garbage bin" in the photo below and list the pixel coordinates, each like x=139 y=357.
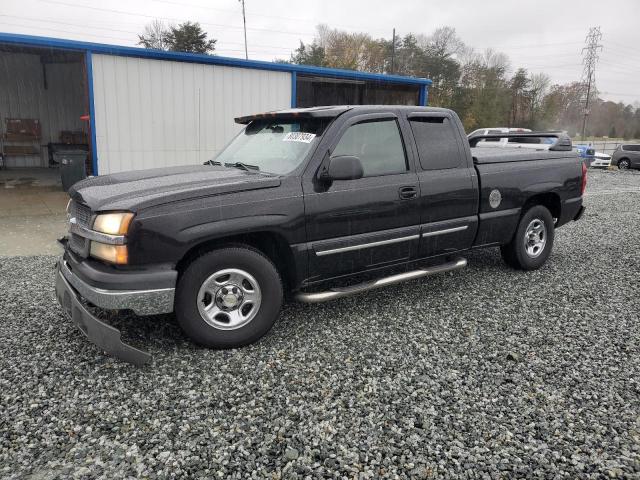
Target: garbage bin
x=72 y=166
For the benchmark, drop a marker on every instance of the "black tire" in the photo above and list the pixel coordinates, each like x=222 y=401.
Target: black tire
x=515 y=252
x=246 y=259
x=624 y=164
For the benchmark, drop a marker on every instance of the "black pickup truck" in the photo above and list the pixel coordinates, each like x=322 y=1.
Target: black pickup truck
x=317 y=203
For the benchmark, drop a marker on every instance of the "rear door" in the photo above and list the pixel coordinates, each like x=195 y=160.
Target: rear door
x=371 y=222
x=448 y=184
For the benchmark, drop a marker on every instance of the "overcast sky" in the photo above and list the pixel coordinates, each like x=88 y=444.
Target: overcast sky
x=541 y=36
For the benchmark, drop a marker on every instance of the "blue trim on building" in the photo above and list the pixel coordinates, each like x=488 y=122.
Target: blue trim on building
x=30 y=40
x=294 y=89
x=92 y=113
x=422 y=99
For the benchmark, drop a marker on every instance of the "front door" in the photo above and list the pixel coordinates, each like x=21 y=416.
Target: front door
x=371 y=222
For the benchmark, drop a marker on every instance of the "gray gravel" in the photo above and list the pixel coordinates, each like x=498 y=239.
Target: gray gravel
x=481 y=373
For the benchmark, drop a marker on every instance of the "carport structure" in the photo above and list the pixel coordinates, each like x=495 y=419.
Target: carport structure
x=139 y=108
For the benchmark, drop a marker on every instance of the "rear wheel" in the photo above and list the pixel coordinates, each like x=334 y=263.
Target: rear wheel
x=624 y=164
x=532 y=243
x=228 y=297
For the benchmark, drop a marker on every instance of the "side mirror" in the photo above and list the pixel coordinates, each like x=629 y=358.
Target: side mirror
x=344 y=167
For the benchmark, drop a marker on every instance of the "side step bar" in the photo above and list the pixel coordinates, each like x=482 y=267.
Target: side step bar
x=381 y=282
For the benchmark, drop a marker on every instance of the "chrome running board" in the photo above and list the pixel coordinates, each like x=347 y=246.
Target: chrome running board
x=381 y=282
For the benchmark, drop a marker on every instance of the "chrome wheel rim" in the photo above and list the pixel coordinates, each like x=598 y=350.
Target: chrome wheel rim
x=229 y=299
x=535 y=238
x=623 y=165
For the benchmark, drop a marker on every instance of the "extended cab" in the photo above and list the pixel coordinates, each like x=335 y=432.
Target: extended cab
x=302 y=201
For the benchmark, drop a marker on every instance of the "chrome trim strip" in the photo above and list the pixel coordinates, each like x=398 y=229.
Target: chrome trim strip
x=142 y=302
x=446 y=230
x=366 y=245
x=334 y=293
x=96 y=236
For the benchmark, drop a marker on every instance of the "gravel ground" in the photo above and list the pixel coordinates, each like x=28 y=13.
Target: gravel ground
x=482 y=373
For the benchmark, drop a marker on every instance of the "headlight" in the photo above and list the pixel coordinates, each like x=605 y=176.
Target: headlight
x=111 y=253
x=116 y=223
x=113 y=223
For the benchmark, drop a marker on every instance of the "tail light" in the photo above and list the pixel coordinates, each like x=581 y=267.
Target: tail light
x=583 y=185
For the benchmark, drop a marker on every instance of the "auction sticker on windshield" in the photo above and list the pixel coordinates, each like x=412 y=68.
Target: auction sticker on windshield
x=303 y=137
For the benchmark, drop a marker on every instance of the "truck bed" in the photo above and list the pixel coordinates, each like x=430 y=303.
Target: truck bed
x=484 y=155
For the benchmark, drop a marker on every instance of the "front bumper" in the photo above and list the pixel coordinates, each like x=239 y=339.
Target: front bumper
x=120 y=291
x=99 y=333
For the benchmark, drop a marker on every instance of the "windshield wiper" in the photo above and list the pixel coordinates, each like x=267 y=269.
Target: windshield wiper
x=243 y=166
x=212 y=162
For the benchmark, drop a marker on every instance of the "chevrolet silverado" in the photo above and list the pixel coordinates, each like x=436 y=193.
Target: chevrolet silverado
x=314 y=203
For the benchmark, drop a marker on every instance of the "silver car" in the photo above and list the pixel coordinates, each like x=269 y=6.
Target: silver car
x=626 y=156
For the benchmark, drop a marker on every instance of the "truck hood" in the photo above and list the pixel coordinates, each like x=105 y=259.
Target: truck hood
x=140 y=189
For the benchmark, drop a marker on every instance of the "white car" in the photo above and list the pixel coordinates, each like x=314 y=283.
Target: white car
x=530 y=142
x=601 y=160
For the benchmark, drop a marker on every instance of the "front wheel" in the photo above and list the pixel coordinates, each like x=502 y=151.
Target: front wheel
x=228 y=297
x=532 y=243
x=624 y=164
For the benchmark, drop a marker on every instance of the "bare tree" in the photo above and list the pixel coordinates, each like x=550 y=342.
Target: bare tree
x=496 y=61
x=155 y=36
x=538 y=86
x=443 y=43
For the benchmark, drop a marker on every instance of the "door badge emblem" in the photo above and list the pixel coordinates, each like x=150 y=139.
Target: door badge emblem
x=495 y=198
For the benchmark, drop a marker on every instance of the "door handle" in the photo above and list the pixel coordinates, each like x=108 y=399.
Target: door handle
x=407 y=193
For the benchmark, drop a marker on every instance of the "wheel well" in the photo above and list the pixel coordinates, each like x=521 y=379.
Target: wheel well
x=549 y=200
x=271 y=244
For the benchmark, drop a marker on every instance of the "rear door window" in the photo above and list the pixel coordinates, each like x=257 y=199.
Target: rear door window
x=437 y=142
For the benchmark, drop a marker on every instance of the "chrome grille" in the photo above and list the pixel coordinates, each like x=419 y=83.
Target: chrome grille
x=78 y=244
x=82 y=214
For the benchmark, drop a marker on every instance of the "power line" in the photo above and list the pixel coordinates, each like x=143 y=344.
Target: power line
x=143 y=15
x=264 y=15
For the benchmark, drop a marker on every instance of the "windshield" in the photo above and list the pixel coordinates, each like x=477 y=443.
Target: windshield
x=273 y=146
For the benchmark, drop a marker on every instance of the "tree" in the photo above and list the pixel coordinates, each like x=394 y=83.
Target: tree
x=440 y=63
x=155 y=36
x=189 y=37
x=311 y=54
x=186 y=37
x=519 y=87
x=538 y=88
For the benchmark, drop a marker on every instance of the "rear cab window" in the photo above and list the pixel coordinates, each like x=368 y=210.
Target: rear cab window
x=437 y=142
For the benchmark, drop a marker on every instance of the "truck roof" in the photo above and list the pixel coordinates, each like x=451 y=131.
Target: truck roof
x=331 y=111
x=506 y=154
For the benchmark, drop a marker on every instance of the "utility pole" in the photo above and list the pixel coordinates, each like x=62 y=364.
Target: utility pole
x=589 y=59
x=244 y=21
x=393 y=49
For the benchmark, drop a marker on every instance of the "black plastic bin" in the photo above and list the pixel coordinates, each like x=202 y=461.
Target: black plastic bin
x=72 y=165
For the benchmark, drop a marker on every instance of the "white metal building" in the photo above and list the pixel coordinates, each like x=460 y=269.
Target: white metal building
x=138 y=108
